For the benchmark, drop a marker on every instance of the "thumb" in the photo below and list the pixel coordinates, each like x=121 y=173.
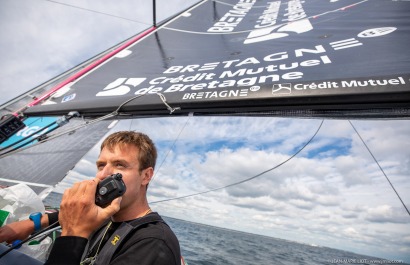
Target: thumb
x=113 y=207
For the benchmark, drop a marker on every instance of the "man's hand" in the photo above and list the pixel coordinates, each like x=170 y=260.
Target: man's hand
x=17 y=230
x=79 y=215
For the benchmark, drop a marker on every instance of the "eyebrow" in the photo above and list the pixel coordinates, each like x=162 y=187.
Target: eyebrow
x=99 y=162
x=121 y=161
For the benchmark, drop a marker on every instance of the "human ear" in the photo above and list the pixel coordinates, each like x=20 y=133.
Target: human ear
x=147 y=175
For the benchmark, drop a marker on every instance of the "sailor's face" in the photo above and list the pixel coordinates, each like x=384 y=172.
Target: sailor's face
x=124 y=159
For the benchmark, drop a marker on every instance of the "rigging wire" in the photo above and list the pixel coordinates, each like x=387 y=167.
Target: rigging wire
x=248 y=179
x=172 y=147
x=98 y=12
x=107 y=116
x=381 y=169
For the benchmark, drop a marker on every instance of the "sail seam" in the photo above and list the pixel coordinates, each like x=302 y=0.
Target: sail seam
x=26 y=182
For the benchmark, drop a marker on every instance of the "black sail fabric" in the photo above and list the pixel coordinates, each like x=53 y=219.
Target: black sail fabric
x=247 y=57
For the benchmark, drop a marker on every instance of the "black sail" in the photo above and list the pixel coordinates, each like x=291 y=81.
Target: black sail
x=247 y=57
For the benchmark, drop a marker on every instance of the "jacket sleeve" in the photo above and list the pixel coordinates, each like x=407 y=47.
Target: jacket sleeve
x=150 y=251
x=67 y=250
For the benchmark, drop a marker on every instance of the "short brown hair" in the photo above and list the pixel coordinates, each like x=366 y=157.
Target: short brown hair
x=147 y=150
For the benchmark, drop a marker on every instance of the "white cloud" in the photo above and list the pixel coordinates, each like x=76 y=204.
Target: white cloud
x=47 y=40
x=331 y=200
x=387 y=214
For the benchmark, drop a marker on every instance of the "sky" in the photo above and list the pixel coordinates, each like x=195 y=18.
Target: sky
x=332 y=193
x=43 y=38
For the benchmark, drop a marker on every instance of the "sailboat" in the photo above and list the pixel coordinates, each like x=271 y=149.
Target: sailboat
x=306 y=59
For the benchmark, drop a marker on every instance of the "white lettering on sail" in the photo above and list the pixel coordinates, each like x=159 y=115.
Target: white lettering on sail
x=277 y=32
x=228 y=74
x=295 y=21
x=231 y=19
x=120 y=87
x=242 y=76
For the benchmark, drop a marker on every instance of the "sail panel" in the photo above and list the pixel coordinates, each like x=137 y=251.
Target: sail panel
x=335 y=58
x=46 y=164
x=34 y=127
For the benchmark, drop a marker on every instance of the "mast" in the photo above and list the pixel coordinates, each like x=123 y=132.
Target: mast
x=154 y=13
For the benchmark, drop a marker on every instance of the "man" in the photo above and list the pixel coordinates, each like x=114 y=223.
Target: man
x=133 y=235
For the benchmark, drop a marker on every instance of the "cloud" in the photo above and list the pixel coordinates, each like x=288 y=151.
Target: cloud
x=71 y=178
x=160 y=192
x=86 y=168
x=387 y=214
x=37 y=46
x=352 y=233
x=263 y=203
x=387 y=140
x=163 y=187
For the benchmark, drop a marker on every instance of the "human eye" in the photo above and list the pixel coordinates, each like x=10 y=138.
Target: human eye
x=119 y=165
x=100 y=166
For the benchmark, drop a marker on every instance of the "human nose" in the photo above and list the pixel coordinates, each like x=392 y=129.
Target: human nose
x=105 y=172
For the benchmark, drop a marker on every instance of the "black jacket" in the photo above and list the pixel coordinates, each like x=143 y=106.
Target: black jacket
x=153 y=243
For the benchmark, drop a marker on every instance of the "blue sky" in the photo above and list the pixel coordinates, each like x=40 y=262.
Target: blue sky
x=331 y=194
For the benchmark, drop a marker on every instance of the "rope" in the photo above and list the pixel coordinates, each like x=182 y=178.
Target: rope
x=110 y=115
x=164 y=100
x=172 y=147
x=381 y=169
x=98 y=12
x=248 y=179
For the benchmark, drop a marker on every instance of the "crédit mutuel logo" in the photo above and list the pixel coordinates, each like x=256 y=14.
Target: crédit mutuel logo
x=120 y=87
x=282 y=89
x=269 y=24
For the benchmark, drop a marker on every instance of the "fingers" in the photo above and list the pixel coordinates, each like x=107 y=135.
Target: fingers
x=79 y=215
x=87 y=191
x=84 y=189
x=113 y=208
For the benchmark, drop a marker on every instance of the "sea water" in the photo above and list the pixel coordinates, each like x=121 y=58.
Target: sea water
x=209 y=245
